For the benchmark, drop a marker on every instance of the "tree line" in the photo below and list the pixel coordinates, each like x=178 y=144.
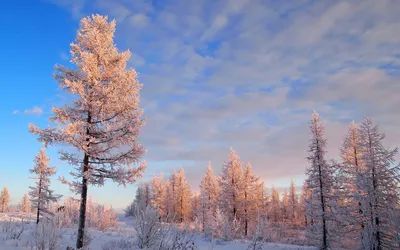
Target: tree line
x=352 y=202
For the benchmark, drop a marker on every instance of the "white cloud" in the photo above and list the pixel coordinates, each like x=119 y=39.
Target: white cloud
x=64 y=56
x=33 y=111
x=15 y=112
x=138 y=20
x=75 y=7
x=219 y=23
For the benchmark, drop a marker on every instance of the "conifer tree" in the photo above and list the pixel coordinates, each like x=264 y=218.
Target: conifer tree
x=231 y=183
x=183 y=196
x=26 y=205
x=4 y=200
x=275 y=209
x=209 y=194
x=380 y=182
x=104 y=121
x=249 y=203
x=143 y=197
x=158 y=195
x=320 y=181
x=351 y=170
x=41 y=194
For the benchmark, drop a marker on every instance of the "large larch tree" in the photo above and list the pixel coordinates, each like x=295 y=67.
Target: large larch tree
x=380 y=184
x=103 y=123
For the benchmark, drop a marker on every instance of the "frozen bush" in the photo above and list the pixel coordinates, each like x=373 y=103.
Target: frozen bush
x=181 y=239
x=149 y=230
x=46 y=235
x=13 y=229
x=152 y=234
x=258 y=240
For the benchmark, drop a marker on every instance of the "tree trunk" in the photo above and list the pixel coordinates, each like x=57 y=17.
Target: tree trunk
x=293 y=209
x=378 y=235
x=204 y=216
x=245 y=212
x=305 y=219
x=82 y=210
x=234 y=198
x=360 y=211
x=38 y=208
x=324 y=231
x=375 y=206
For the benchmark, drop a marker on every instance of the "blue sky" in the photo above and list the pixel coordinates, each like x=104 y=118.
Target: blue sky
x=216 y=74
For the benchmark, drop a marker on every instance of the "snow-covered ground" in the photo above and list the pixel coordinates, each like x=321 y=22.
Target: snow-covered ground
x=16 y=233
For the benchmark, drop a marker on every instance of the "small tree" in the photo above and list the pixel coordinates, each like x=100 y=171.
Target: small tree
x=41 y=194
x=209 y=191
x=148 y=229
x=231 y=183
x=158 y=195
x=183 y=196
x=143 y=197
x=4 y=200
x=275 y=209
x=26 y=205
x=249 y=206
x=104 y=121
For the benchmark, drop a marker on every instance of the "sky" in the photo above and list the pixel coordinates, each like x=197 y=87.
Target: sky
x=245 y=74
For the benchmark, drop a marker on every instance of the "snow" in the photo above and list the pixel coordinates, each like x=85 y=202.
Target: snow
x=125 y=229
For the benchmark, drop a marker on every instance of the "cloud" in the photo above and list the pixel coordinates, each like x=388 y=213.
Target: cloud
x=219 y=23
x=15 y=112
x=138 y=20
x=33 y=111
x=64 y=56
x=248 y=74
x=75 y=7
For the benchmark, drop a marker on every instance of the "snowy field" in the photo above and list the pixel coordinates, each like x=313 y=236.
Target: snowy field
x=17 y=233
